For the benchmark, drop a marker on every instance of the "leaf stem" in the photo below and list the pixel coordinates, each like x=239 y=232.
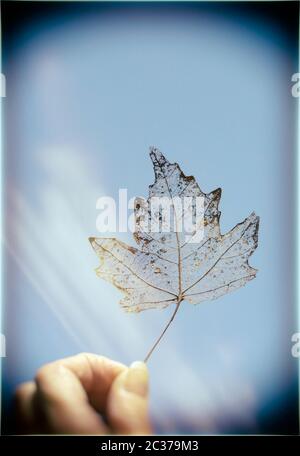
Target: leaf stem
x=164 y=331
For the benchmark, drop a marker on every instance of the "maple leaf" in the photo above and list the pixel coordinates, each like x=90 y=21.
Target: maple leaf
x=167 y=268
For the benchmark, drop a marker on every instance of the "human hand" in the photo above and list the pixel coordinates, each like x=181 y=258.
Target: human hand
x=85 y=394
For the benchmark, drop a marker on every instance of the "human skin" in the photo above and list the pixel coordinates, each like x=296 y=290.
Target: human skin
x=85 y=394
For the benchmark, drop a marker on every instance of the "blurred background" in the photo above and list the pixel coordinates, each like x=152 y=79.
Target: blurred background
x=90 y=86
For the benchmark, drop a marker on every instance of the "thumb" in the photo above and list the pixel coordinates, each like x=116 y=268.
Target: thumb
x=127 y=402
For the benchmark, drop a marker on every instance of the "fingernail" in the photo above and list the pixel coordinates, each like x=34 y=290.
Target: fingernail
x=136 y=379
x=138 y=365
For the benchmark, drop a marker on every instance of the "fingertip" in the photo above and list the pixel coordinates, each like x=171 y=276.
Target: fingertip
x=135 y=379
x=127 y=407
x=138 y=365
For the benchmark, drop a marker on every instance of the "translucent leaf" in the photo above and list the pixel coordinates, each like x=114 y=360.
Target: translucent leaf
x=167 y=268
